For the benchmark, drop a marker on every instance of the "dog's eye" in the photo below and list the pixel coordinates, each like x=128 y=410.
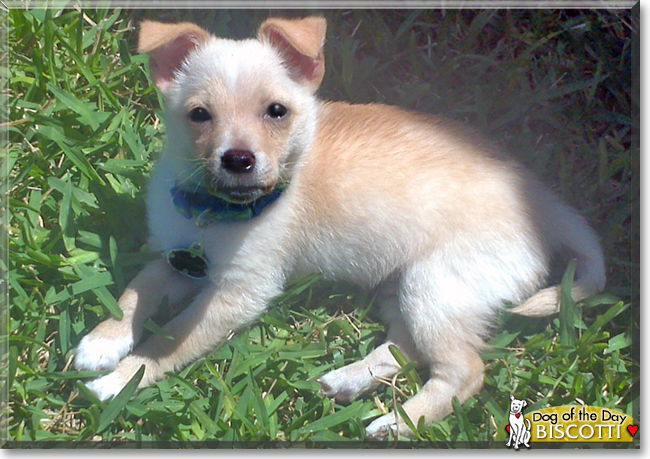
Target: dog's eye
x=277 y=111
x=199 y=115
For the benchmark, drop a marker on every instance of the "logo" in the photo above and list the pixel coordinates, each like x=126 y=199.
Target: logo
x=567 y=424
x=518 y=426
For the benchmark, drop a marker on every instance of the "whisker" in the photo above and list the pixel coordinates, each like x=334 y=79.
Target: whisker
x=190 y=175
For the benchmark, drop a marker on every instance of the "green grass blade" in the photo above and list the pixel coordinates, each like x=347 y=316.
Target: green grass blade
x=87 y=113
x=407 y=420
x=156 y=329
x=65 y=216
x=115 y=406
x=64 y=330
x=331 y=420
x=568 y=307
x=408 y=367
x=463 y=422
x=605 y=318
x=258 y=405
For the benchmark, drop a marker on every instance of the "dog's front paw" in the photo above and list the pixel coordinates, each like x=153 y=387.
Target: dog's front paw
x=99 y=353
x=107 y=386
x=381 y=428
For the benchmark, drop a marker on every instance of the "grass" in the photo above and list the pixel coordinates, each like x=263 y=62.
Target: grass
x=84 y=125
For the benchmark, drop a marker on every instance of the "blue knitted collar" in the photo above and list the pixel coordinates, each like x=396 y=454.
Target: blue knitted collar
x=209 y=209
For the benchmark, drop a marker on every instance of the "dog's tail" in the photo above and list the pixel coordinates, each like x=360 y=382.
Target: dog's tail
x=572 y=233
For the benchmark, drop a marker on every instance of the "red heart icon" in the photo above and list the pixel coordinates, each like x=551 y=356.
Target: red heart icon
x=632 y=429
x=517 y=415
x=508 y=428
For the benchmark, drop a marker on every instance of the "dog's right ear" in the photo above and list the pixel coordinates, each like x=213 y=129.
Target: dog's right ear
x=512 y=397
x=168 y=45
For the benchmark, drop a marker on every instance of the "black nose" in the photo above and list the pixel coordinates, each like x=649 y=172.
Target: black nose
x=238 y=161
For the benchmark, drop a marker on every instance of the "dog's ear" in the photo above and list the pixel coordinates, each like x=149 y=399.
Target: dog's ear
x=512 y=397
x=168 y=45
x=300 y=44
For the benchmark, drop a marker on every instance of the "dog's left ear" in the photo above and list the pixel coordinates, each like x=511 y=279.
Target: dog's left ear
x=300 y=43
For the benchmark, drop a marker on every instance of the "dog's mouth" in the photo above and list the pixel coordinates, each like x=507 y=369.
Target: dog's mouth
x=242 y=194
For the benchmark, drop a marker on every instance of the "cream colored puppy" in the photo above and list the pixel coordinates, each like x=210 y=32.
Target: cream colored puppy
x=260 y=182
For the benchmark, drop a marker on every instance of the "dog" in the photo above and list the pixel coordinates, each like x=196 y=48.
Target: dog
x=260 y=183
x=519 y=432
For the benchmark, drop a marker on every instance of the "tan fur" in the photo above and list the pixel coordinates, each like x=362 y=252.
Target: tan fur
x=425 y=157
x=155 y=35
x=307 y=37
x=417 y=167
x=160 y=40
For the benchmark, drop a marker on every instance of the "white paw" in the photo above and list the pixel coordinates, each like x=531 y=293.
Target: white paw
x=101 y=353
x=107 y=386
x=384 y=426
x=348 y=383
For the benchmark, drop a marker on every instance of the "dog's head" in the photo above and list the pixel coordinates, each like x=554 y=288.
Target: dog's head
x=245 y=109
x=516 y=406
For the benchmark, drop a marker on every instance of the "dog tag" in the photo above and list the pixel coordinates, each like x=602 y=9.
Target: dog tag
x=189 y=262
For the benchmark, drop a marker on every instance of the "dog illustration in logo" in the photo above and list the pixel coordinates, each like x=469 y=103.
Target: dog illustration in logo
x=519 y=432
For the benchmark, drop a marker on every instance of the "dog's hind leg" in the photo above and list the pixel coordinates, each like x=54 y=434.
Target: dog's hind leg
x=347 y=383
x=112 y=339
x=447 y=320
